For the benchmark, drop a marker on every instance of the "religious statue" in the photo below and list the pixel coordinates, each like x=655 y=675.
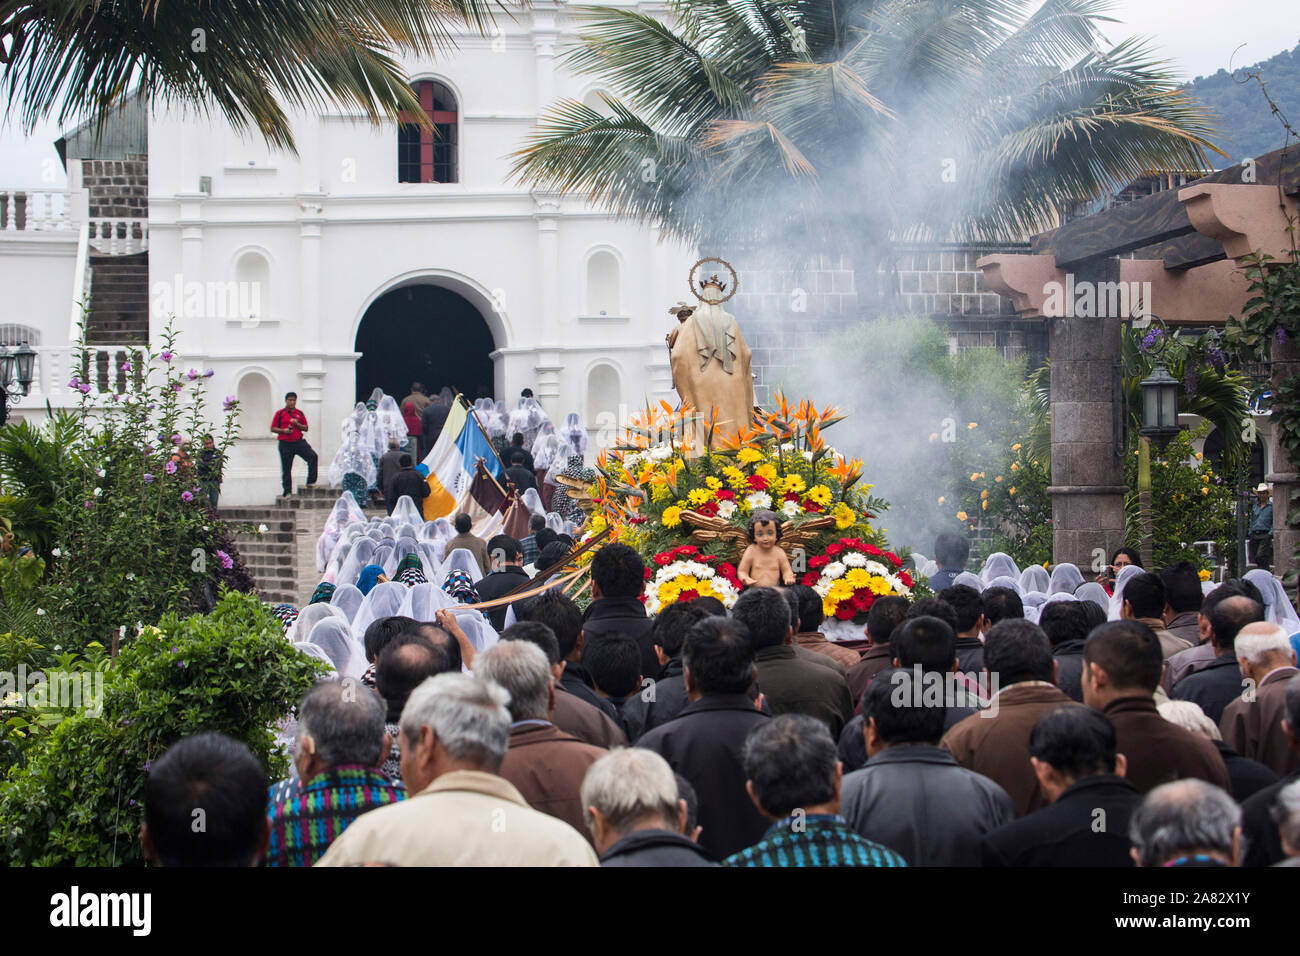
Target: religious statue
x=709 y=358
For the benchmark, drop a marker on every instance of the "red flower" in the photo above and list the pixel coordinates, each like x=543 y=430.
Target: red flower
x=725 y=494
x=845 y=611
x=905 y=578
x=727 y=570
x=811 y=577
x=790 y=496
x=811 y=506
x=872 y=549
x=894 y=559
x=647 y=570
x=757 y=483
x=819 y=562
x=709 y=509
x=834 y=549
x=690 y=594
x=663 y=559
x=638 y=519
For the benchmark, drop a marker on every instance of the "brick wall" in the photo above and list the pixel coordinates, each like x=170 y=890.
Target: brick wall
x=118 y=188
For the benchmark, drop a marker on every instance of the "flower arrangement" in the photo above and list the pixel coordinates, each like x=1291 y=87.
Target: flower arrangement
x=852 y=573
x=685 y=573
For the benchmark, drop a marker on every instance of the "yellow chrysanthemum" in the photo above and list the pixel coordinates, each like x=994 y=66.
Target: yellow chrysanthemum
x=1205 y=479
x=794 y=483
x=672 y=517
x=973 y=425
x=767 y=471
x=1016 y=447
x=1205 y=491
x=857 y=577
x=984 y=494
x=699 y=496
x=1203 y=574
x=1011 y=490
x=961 y=516
x=747 y=456
x=878 y=585
x=974 y=475
x=984 y=505
x=733 y=475
x=1014 y=466
x=820 y=494
x=843 y=515
x=998 y=478
x=712 y=482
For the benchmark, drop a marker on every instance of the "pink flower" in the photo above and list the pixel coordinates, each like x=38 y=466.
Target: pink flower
x=147 y=478
x=170 y=467
x=229 y=403
x=84 y=389
x=187 y=496
x=227 y=561
x=209 y=373
x=177 y=439
x=192 y=374
x=177 y=386
x=165 y=355
x=127 y=366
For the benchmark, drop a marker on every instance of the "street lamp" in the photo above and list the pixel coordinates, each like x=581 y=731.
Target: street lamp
x=17 y=363
x=1159 y=406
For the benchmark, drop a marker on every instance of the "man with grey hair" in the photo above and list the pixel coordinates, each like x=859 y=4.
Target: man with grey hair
x=1252 y=723
x=544 y=763
x=454 y=734
x=637 y=818
x=1263 y=847
x=1186 y=823
x=341 y=744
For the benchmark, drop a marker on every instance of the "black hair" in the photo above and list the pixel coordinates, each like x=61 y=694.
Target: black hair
x=544 y=536
x=1129 y=652
x=1017 y=650
x=711 y=606
x=507 y=547
x=686 y=792
x=553 y=553
x=382 y=630
x=537 y=522
x=517 y=458
x=790 y=762
x=289 y=395
x=558 y=612
x=1077 y=742
x=934 y=607
x=1131 y=553
x=614 y=663
x=951 y=550
x=535 y=632
x=526 y=393
x=719 y=656
x=927 y=641
x=1182 y=587
x=1093 y=613
x=672 y=623
x=967 y=604
x=1064 y=621
x=1230 y=616
x=1001 y=604
x=405 y=664
x=618 y=571
x=566 y=539
x=443 y=641
x=404 y=461
x=517 y=439
x=765 y=613
x=463 y=523
x=215 y=778
x=897 y=705
x=811 y=610
x=1145 y=595
x=763 y=516
x=885 y=615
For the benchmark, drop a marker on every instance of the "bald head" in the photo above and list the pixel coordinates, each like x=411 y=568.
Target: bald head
x=1186 y=818
x=1230 y=616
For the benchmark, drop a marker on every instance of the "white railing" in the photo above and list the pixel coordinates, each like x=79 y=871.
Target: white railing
x=81 y=279
x=37 y=210
x=56 y=365
x=119 y=236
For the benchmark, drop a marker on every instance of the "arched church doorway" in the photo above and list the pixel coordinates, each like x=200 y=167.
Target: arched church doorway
x=423 y=333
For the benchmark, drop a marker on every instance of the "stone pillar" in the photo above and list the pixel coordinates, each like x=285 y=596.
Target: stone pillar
x=1088 y=490
x=1283 y=476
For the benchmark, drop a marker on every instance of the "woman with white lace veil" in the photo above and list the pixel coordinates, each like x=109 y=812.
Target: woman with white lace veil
x=1117 y=598
x=575 y=433
x=405 y=512
x=999 y=564
x=1278 y=608
x=476 y=627
x=969 y=580
x=333 y=636
x=555 y=522
x=361 y=554
x=547 y=430
x=353 y=470
x=463 y=560
x=424 y=601
x=527 y=420
x=347 y=598
x=533 y=501
x=344 y=513
x=1094 y=592
x=384 y=600
x=1065 y=579
x=309 y=617
x=404 y=547
x=316 y=651
x=1034 y=578
x=1007 y=581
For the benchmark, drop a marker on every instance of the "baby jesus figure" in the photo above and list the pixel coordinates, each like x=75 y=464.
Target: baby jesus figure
x=763 y=563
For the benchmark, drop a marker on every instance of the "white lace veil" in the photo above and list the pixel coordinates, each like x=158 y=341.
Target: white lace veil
x=424 y=601
x=1277 y=605
x=970 y=580
x=999 y=564
x=384 y=600
x=1034 y=578
x=309 y=617
x=1065 y=579
x=347 y=598
x=333 y=636
x=461 y=559
x=533 y=500
x=575 y=433
x=1117 y=596
x=406 y=511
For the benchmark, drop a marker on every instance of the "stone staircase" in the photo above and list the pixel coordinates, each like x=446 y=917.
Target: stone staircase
x=119 y=300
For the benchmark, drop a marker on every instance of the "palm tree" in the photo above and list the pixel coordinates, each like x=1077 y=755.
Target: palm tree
x=848 y=124
x=248 y=58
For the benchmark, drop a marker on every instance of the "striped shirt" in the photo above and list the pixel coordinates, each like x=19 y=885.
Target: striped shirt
x=821 y=839
x=304 y=825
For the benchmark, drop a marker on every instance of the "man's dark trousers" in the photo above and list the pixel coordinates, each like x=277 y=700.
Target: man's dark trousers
x=300 y=448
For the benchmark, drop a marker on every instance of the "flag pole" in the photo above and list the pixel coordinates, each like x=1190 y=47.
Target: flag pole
x=495 y=453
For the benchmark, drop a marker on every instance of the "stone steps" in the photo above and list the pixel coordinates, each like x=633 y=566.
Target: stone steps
x=119 y=300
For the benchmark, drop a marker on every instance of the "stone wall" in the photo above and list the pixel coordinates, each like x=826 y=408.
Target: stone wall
x=118 y=188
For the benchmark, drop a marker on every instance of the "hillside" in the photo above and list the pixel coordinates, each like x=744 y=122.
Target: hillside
x=1247 y=127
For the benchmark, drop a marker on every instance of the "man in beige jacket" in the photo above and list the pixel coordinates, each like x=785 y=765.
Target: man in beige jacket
x=454 y=734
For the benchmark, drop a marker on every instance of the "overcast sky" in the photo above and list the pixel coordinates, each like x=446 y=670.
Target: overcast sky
x=1198 y=36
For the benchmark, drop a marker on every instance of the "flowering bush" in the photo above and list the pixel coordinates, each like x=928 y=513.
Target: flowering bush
x=851 y=574
x=684 y=574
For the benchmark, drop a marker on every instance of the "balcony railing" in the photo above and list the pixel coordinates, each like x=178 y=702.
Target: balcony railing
x=34 y=210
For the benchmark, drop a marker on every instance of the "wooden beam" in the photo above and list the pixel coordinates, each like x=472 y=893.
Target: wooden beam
x=1156 y=220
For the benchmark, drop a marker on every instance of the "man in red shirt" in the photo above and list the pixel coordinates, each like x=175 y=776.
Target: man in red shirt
x=290 y=423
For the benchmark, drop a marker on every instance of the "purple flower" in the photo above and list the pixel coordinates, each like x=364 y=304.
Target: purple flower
x=209 y=373
x=1281 y=336
x=75 y=382
x=147 y=765
x=174 y=648
x=170 y=467
x=89 y=504
x=177 y=439
x=227 y=561
x=176 y=387
x=180 y=663
x=192 y=374
x=127 y=366
x=84 y=389
x=132 y=802
x=147 y=477
x=187 y=496
x=165 y=355
x=229 y=402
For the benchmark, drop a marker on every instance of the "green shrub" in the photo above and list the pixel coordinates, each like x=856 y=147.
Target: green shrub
x=76 y=800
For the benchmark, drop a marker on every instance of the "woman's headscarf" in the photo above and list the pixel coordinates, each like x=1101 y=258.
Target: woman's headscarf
x=429 y=531
x=310 y=616
x=324 y=591
x=555 y=522
x=462 y=560
x=391 y=420
x=316 y=651
x=546 y=430
x=347 y=598
x=1277 y=604
x=1058 y=597
x=344 y=513
x=460 y=586
x=406 y=511
x=384 y=558
x=544 y=451
x=424 y=601
x=1065 y=579
x=410 y=572
x=408 y=531
x=287 y=614
x=362 y=551
x=533 y=501
x=1034 y=578
x=999 y=564
x=333 y=636
x=368 y=578
x=1117 y=597
x=384 y=600
x=1094 y=592
x=969 y=580
x=575 y=433
x=476 y=627
x=1006 y=581
x=353 y=458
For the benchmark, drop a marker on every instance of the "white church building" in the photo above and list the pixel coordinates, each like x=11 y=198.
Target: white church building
x=376 y=256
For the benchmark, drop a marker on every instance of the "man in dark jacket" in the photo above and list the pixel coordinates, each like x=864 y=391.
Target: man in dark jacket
x=886 y=614
x=1073 y=751
x=635 y=814
x=389 y=466
x=1121 y=670
x=790 y=685
x=969 y=606
x=1252 y=722
x=666 y=697
x=558 y=612
x=432 y=418
x=617 y=577
x=912 y=796
x=408 y=481
x=1195 y=658
x=1066 y=628
x=1263 y=845
x=516 y=446
x=951 y=552
x=507 y=557
x=704 y=742
x=521 y=476
x=1183 y=597
x=1217 y=684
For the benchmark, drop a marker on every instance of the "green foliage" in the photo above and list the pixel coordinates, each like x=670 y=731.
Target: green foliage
x=1012 y=499
x=36 y=463
x=1249 y=127
x=77 y=799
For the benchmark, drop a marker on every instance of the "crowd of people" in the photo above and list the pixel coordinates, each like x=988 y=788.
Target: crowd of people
x=1013 y=719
